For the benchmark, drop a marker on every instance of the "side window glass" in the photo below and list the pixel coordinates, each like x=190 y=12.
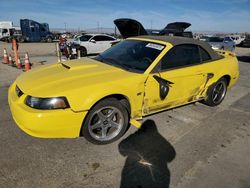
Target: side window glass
x=204 y=55
x=81 y=38
x=5 y=30
x=98 y=38
x=106 y=38
x=227 y=39
x=181 y=55
x=103 y=38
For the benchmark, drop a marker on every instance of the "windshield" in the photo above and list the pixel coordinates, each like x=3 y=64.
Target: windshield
x=131 y=55
x=214 y=39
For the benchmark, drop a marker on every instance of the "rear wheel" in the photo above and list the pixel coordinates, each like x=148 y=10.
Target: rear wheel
x=216 y=93
x=106 y=122
x=21 y=40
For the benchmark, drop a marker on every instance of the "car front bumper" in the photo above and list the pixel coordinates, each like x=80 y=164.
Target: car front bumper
x=62 y=123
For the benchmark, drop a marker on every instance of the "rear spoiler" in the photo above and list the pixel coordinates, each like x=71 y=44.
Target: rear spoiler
x=226 y=53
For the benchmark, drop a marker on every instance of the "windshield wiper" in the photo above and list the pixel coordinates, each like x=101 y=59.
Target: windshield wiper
x=133 y=67
x=114 y=62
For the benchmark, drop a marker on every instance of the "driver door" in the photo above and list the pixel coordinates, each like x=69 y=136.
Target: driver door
x=181 y=72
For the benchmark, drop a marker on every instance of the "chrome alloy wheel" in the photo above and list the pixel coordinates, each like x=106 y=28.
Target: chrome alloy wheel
x=106 y=123
x=219 y=92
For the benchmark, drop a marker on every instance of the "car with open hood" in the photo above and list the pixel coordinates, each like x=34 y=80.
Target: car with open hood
x=246 y=41
x=131 y=28
x=99 y=98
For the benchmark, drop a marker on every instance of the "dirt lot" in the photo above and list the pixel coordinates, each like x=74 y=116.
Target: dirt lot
x=188 y=147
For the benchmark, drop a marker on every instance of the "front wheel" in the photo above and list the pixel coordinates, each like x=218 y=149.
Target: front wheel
x=49 y=39
x=106 y=122
x=83 y=51
x=216 y=92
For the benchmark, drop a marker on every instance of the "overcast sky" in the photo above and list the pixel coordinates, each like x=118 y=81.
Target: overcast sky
x=204 y=15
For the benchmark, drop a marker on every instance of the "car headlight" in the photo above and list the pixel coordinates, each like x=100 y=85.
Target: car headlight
x=47 y=103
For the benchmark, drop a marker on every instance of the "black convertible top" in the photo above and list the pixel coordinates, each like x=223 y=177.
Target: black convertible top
x=184 y=40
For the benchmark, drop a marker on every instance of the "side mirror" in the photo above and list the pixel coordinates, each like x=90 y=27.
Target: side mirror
x=163 y=86
x=92 y=40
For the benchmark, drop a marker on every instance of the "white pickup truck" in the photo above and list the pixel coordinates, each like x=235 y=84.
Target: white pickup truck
x=7 y=30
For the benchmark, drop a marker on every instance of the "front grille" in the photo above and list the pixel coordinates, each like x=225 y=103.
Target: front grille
x=19 y=92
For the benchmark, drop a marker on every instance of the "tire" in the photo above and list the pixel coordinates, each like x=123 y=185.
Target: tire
x=106 y=122
x=49 y=40
x=216 y=92
x=83 y=51
x=21 y=40
x=73 y=56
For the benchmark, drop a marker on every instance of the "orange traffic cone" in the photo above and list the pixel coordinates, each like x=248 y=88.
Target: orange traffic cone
x=5 y=57
x=27 y=62
x=18 y=64
x=11 y=63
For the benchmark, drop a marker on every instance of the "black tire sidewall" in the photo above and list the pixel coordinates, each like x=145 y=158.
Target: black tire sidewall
x=49 y=40
x=209 y=100
x=83 y=51
x=106 y=102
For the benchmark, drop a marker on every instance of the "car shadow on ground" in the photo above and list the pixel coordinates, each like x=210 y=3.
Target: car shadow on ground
x=147 y=156
x=245 y=59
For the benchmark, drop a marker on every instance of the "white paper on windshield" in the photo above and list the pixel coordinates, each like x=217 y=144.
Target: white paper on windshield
x=155 y=46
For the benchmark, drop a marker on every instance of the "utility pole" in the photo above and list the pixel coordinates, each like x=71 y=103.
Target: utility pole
x=98 y=25
x=65 y=26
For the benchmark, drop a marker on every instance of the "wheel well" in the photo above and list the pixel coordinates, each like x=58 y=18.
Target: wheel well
x=83 y=48
x=228 y=78
x=123 y=99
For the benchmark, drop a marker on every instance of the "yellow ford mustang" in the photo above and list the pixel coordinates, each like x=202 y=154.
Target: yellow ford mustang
x=98 y=98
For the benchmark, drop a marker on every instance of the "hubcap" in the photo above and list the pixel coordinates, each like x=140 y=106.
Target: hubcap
x=219 y=92
x=106 y=123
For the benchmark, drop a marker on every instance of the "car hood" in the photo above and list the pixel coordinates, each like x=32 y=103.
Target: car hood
x=175 y=27
x=180 y=26
x=60 y=78
x=129 y=27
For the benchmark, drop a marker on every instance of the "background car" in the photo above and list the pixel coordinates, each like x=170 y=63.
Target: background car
x=245 y=42
x=93 y=43
x=131 y=28
x=237 y=39
x=219 y=43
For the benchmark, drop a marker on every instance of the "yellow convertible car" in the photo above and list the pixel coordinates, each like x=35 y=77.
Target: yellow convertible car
x=99 y=98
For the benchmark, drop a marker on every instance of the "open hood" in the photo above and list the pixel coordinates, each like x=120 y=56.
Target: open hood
x=129 y=27
x=175 y=27
x=178 y=26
